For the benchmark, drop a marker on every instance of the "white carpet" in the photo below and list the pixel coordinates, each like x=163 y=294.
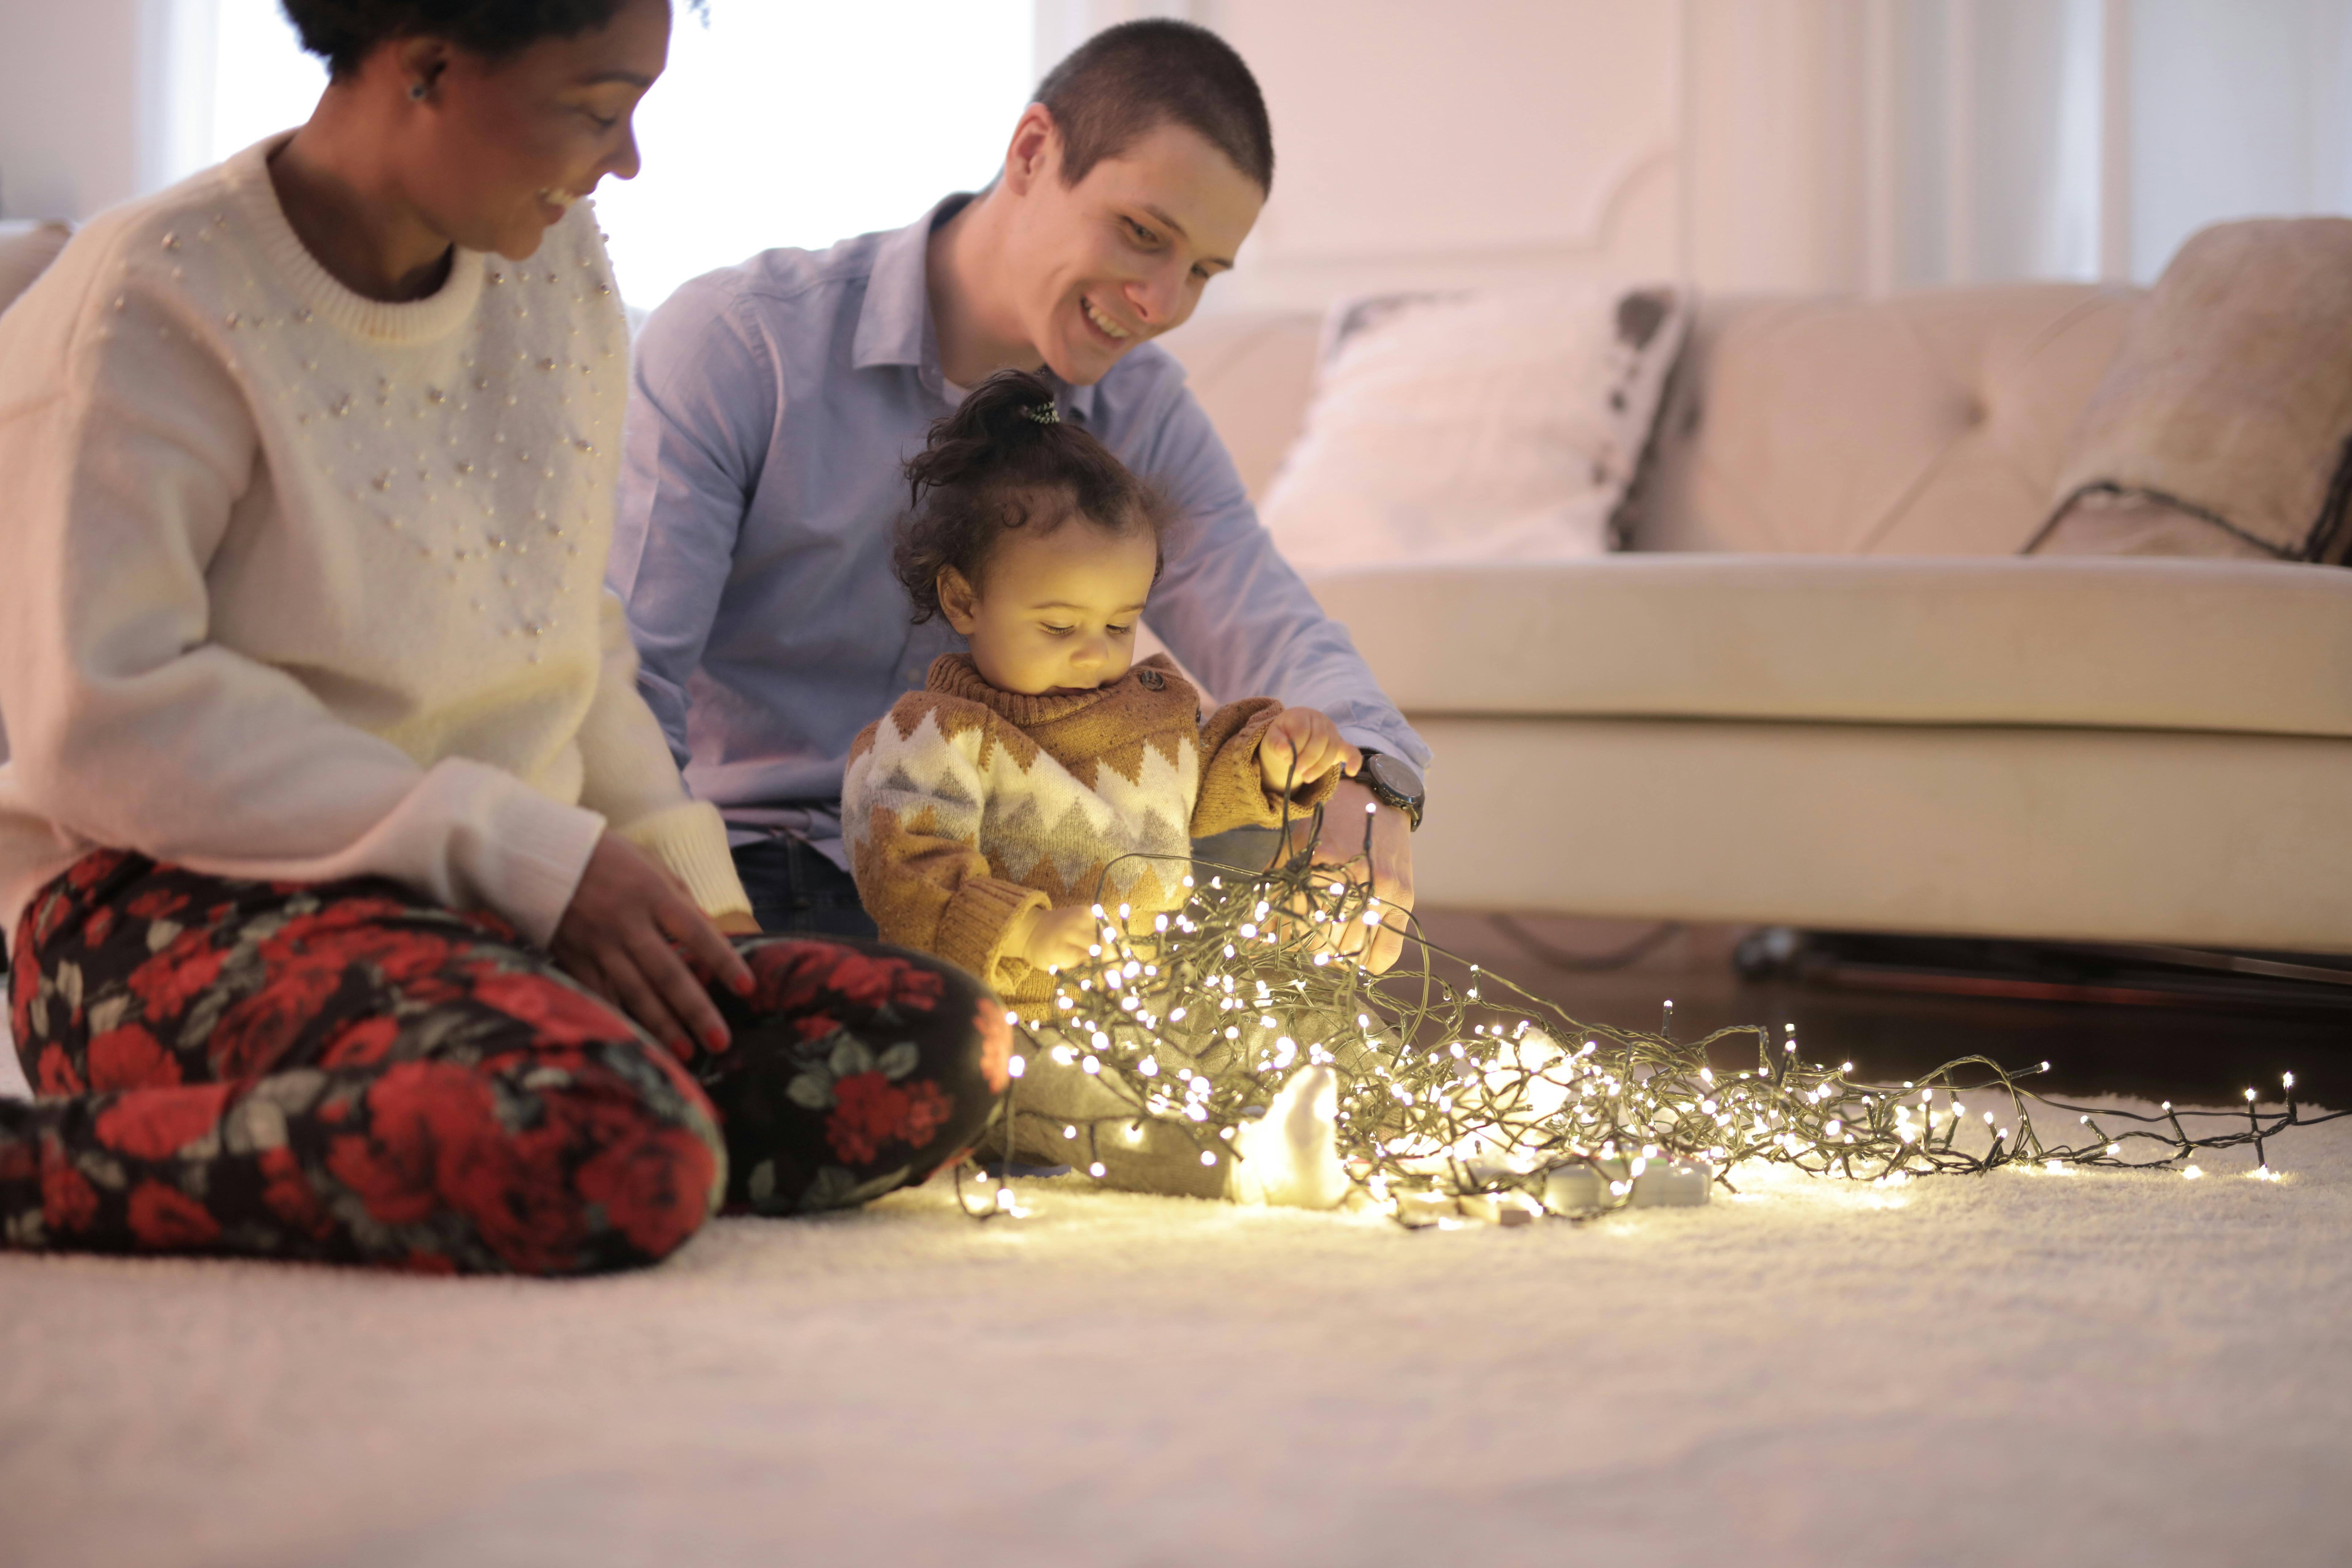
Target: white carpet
x=2026 y=1368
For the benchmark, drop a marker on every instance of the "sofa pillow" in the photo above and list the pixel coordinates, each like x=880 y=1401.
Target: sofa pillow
x=1474 y=427
x=26 y=252
x=2224 y=425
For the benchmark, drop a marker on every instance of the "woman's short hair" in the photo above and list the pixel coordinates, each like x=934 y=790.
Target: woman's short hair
x=345 y=32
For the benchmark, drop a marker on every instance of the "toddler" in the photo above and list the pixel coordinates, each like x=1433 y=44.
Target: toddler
x=1045 y=771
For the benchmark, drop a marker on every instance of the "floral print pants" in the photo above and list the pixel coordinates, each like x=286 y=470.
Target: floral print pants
x=348 y=1072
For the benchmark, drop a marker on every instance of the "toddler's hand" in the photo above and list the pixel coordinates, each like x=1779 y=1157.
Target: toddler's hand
x=1058 y=939
x=1300 y=746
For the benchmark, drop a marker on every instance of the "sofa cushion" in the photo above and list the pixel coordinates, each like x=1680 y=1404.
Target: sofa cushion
x=2248 y=646
x=2228 y=402
x=1931 y=422
x=2071 y=835
x=1500 y=426
x=2113 y=520
x=1924 y=424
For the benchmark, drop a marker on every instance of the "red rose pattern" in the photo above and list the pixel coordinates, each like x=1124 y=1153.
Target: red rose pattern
x=868 y=1110
x=156 y=1123
x=167 y=1220
x=68 y=1203
x=130 y=1058
x=466 y=1107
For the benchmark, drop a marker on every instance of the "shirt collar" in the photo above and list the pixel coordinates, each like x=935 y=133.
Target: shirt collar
x=894 y=326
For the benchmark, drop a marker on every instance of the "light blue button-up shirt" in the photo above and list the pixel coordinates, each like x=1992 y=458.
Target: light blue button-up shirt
x=770 y=405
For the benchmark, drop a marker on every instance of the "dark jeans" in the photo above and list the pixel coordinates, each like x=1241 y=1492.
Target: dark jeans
x=794 y=889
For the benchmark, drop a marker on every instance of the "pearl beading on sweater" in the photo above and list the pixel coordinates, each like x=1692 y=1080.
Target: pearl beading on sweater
x=481 y=537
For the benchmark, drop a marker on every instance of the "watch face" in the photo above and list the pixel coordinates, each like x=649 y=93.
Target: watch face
x=1392 y=777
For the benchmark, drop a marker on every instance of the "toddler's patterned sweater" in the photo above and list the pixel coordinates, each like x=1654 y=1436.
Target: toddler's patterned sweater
x=965 y=806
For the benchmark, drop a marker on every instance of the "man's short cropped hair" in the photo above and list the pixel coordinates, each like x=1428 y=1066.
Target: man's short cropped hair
x=1126 y=82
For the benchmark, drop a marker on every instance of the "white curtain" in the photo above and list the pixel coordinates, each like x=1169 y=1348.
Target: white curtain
x=1987 y=140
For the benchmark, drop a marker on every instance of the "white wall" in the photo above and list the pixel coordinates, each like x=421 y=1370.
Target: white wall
x=72 y=136
x=1420 y=145
x=1801 y=144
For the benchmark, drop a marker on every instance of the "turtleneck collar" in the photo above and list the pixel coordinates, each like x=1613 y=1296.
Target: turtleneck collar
x=954 y=675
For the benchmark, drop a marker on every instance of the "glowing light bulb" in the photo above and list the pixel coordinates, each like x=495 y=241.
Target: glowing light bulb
x=1016 y=1066
x=1096 y=1170
x=1208 y=1156
x=2191 y=1172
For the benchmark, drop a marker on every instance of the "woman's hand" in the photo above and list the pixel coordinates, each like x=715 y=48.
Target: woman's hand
x=630 y=934
x=1300 y=746
x=1054 y=939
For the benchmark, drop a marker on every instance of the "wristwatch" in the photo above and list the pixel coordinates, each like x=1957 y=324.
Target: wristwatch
x=1393 y=783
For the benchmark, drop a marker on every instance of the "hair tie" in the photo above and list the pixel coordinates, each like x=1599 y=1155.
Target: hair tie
x=1044 y=413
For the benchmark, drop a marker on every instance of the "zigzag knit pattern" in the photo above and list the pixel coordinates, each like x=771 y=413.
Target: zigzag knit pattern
x=965 y=806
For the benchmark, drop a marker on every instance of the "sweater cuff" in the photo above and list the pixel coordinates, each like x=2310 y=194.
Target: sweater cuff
x=690 y=840
x=541 y=848
x=972 y=926
x=1310 y=795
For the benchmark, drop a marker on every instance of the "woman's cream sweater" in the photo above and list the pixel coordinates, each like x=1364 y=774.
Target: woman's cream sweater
x=298 y=585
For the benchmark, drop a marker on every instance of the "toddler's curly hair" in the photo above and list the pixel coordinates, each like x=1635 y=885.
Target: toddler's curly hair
x=1007 y=459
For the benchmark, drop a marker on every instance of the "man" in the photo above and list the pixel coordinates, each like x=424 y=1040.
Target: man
x=772 y=404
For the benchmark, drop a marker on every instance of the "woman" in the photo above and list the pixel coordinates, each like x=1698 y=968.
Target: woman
x=348 y=875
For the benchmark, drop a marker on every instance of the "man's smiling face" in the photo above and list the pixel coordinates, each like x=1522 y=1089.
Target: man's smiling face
x=1123 y=255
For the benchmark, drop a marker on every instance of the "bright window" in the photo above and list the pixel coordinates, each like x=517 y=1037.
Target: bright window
x=777 y=122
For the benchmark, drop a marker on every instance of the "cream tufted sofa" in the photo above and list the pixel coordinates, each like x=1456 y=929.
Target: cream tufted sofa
x=1822 y=690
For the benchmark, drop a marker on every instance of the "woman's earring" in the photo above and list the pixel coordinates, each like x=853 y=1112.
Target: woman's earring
x=416 y=92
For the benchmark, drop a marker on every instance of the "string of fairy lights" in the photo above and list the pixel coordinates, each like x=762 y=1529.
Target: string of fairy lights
x=1471 y=1096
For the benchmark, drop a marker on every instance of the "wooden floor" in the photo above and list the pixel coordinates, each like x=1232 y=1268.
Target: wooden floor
x=2192 y=1055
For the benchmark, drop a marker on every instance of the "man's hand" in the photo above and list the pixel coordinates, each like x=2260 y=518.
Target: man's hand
x=629 y=935
x=1392 y=869
x=1053 y=939
x=1300 y=746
